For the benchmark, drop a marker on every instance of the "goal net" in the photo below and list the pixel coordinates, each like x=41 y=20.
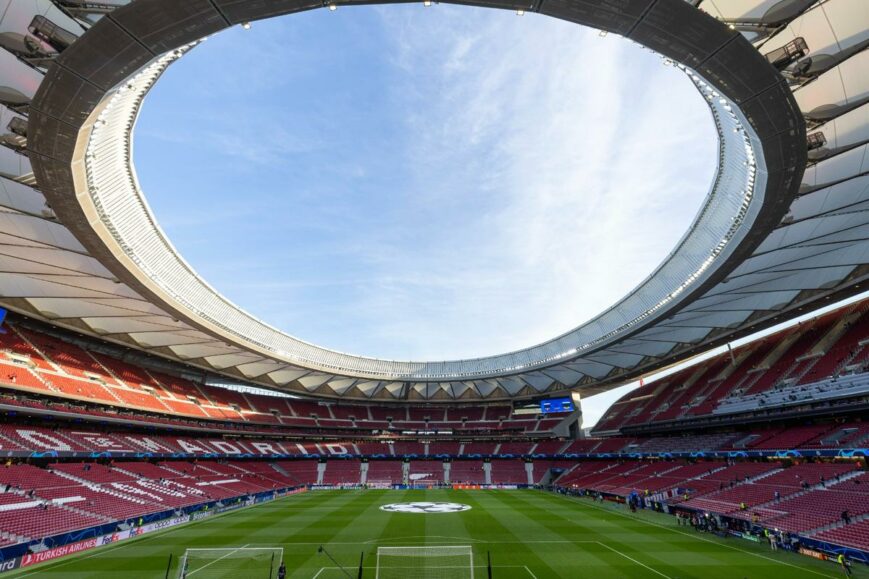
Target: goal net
x=244 y=562
x=425 y=563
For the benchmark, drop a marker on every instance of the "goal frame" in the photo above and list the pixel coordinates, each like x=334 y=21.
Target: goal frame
x=182 y=568
x=467 y=549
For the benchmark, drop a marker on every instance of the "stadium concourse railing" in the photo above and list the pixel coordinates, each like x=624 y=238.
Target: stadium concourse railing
x=71 y=542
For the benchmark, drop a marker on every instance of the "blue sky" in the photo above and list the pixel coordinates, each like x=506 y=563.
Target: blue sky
x=423 y=183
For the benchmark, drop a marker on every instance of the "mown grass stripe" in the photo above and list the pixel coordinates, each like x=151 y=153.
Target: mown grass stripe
x=553 y=535
x=638 y=546
x=805 y=564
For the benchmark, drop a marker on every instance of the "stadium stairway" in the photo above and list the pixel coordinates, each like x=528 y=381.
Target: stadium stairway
x=277 y=468
x=564 y=475
x=76 y=510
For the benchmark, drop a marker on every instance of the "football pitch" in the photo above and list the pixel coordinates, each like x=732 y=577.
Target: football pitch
x=528 y=534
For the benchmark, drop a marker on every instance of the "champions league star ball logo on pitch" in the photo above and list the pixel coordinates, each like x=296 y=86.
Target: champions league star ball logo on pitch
x=425 y=508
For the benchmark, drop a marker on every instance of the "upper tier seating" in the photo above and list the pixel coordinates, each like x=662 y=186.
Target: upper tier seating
x=517 y=448
x=789 y=438
x=549 y=446
x=683 y=443
x=38 y=362
x=615 y=444
x=583 y=446
x=482 y=448
x=371 y=448
x=786 y=368
x=408 y=448
x=447 y=448
x=469 y=413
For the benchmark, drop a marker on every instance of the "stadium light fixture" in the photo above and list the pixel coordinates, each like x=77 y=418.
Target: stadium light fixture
x=333 y=7
x=427 y=3
x=245 y=25
x=520 y=13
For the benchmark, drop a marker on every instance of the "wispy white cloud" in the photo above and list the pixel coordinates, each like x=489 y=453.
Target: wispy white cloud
x=576 y=163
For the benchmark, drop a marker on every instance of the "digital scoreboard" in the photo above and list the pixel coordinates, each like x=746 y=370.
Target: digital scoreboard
x=557 y=405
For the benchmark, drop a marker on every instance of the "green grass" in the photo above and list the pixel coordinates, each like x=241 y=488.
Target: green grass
x=530 y=534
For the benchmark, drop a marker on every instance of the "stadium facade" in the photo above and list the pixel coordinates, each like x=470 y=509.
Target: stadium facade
x=779 y=232
x=114 y=347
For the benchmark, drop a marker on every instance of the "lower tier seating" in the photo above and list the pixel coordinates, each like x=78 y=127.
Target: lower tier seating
x=810 y=499
x=855 y=535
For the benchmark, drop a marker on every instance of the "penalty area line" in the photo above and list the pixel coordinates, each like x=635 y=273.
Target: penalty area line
x=693 y=536
x=233 y=552
x=629 y=558
x=387 y=542
x=127 y=543
x=423 y=538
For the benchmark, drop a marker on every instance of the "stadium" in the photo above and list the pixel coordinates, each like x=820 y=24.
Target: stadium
x=151 y=427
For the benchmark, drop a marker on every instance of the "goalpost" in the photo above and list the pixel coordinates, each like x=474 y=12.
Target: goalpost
x=425 y=562
x=255 y=563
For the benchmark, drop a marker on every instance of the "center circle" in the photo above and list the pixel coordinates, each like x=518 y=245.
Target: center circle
x=425 y=508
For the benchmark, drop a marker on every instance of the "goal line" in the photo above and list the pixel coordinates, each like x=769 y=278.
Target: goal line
x=253 y=562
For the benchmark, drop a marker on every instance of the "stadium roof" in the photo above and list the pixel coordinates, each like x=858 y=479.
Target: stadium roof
x=781 y=229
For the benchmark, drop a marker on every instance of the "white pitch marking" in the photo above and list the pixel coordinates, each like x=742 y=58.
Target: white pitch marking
x=450 y=542
x=100 y=551
x=617 y=552
x=626 y=516
x=217 y=560
x=445 y=567
x=529 y=572
x=411 y=538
